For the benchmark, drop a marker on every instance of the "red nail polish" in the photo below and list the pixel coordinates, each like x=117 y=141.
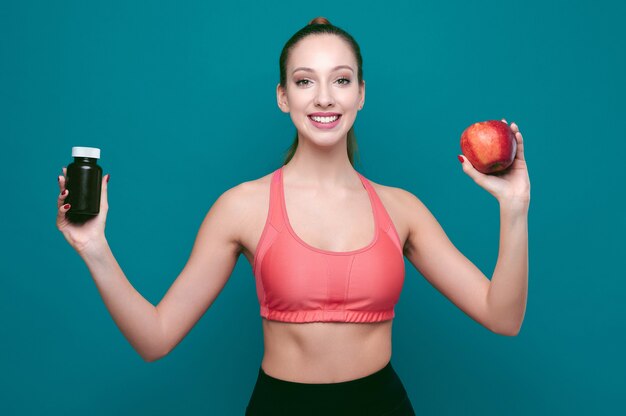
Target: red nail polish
x=66 y=206
x=460 y=159
x=108 y=176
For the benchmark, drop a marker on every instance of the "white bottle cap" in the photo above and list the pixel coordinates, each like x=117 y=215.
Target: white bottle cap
x=93 y=152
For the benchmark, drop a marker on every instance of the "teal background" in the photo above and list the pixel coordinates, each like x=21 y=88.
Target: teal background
x=180 y=96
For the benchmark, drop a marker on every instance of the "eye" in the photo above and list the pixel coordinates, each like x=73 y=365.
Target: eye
x=302 y=82
x=343 y=81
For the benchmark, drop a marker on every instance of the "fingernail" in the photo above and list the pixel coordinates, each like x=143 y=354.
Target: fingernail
x=108 y=176
x=460 y=159
x=66 y=206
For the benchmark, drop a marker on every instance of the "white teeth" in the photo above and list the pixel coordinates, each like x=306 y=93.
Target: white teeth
x=324 y=119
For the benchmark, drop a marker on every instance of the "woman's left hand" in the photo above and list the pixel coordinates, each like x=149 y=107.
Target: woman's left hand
x=511 y=185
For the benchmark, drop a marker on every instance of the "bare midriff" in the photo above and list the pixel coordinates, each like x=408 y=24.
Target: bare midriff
x=325 y=352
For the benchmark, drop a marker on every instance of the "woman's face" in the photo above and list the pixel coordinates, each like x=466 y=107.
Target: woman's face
x=322 y=91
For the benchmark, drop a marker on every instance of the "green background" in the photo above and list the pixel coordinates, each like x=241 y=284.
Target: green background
x=180 y=97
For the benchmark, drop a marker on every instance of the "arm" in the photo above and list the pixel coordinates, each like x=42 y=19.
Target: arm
x=508 y=290
x=509 y=284
x=210 y=265
x=134 y=315
x=495 y=304
x=155 y=331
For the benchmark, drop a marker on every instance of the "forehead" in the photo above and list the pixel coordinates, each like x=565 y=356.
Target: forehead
x=321 y=52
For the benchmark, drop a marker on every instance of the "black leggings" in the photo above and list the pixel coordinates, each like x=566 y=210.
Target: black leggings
x=380 y=394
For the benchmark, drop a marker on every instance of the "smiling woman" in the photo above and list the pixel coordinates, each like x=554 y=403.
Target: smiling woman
x=327 y=342
x=327 y=249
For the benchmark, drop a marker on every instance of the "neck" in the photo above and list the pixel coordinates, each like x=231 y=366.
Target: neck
x=321 y=166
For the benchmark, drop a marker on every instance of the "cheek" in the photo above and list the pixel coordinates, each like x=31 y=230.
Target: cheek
x=297 y=102
x=351 y=106
x=351 y=98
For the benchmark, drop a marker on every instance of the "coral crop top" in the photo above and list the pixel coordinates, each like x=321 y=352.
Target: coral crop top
x=296 y=282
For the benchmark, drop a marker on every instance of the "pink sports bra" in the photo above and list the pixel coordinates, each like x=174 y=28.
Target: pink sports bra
x=296 y=282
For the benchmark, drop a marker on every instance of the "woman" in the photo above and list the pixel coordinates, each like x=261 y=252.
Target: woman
x=327 y=250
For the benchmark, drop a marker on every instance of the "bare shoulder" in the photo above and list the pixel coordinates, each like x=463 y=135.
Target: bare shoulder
x=249 y=194
x=240 y=195
x=247 y=205
x=405 y=199
x=387 y=192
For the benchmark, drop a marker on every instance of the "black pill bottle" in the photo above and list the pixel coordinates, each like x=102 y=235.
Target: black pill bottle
x=84 y=183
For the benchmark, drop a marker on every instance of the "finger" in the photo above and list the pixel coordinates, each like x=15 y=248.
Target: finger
x=61 y=210
x=61 y=198
x=62 y=181
x=104 y=201
x=469 y=169
x=514 y=127
x=62 y=178
x=504 y=121
x=520 y=146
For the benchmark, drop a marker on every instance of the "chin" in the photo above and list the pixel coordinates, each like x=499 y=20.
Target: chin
x=327 y=137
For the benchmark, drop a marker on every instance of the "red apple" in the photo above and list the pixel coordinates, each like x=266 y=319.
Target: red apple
x=490 y=146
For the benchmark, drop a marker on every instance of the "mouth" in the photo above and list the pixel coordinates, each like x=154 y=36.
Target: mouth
x=324 y=120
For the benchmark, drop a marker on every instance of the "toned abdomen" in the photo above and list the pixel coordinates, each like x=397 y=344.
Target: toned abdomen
x=325 y=352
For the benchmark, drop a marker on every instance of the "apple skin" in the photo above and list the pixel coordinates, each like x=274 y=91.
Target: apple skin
x=490 y=146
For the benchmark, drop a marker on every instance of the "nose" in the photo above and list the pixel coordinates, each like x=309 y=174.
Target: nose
x=324 y=97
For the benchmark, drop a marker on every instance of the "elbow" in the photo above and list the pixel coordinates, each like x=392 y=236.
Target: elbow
x=511 y=331
x=150 y=358
x=505 y=324
x=507 y=329
x=155 y=355
x=156 y=351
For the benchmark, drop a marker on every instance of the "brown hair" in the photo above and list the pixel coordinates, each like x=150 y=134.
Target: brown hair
x=320 y=25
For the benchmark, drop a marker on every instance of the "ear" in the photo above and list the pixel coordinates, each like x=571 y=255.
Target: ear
x=362 y=95
x=281 y=99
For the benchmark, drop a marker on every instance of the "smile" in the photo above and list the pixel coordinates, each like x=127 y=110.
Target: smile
x=324 y=120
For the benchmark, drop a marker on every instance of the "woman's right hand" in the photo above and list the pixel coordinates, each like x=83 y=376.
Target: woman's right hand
x=81 y=235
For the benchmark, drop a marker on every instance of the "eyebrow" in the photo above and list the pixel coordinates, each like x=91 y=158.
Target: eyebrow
x=303 y=68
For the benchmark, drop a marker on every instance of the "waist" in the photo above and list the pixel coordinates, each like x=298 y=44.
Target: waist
x=325 y=352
